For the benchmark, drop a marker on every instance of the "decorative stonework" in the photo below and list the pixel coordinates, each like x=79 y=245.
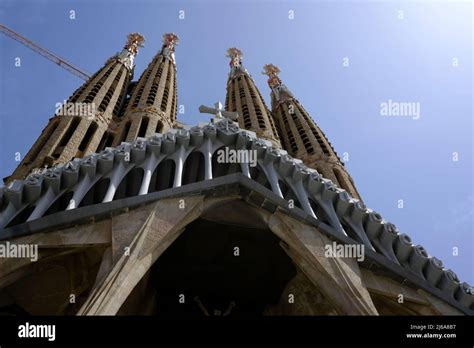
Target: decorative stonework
x=170 y=41
x=74 y=135
x=300 y=135
x=152 y=106
x=134 y=41
x=244 y=98
x=313 y=192
x=89 y=188
x=272 y=72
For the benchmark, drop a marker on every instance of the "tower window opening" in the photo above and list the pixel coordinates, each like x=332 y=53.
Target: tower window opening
x=159 y=127
x=110 y=92
x=174 y=106
x=44 y=138
x=70 y=131
x=88 y=136
x=106 y=141
x=143 y=127
x=343 y=183
x=126 y=129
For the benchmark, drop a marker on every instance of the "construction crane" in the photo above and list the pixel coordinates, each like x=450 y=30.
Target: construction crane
x=45 y=53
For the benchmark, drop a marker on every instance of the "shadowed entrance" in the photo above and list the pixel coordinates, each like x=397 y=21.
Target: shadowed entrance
x=217 y=269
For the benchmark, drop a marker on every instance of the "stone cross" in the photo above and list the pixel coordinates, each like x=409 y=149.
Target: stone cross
x=219 y=112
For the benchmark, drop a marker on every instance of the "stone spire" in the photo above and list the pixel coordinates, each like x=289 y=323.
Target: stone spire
x=152 y=104
x=80 y=123
x=301 y=137
x=244 y=98
x=130 y=50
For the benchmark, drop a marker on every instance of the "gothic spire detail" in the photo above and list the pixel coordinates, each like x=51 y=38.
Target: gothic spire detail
x=280 y=91
x=235 y=56
x=130 y=50
x=170 y=41
x=134 y=41
x=235 y=63
x=244 y=98
x=302 y=137
x=272 y=72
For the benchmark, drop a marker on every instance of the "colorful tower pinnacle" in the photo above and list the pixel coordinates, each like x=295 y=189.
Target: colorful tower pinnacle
x=79 y=125
x=301 y=137
x=152 y=105
x=244 y=98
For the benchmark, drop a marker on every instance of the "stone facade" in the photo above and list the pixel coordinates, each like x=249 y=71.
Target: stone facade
x=244 y=98
x=107 y=266
x=76 y=134
x=146 y=221
x=301 y=136
x=152 y=105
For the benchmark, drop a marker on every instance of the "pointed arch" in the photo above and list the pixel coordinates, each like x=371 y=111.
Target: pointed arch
x=96 y=194
x=221 y=168
x=194 y=168
x=163 y=176
x=130 y=184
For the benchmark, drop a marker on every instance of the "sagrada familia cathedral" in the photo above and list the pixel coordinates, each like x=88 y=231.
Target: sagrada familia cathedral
x=131 y=212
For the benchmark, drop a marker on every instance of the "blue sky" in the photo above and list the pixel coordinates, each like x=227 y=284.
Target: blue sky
x=407 y=59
